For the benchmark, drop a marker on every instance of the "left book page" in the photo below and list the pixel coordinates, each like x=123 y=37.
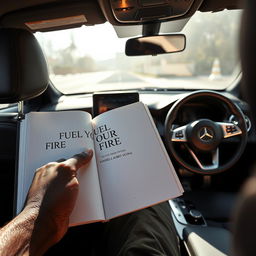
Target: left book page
x=48 y=136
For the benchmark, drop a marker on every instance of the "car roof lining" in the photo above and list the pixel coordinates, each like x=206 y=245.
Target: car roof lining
x=15 y=13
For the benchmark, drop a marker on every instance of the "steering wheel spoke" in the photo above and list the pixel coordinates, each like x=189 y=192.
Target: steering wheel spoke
x=212 y=166
x=179 y=134
x=230 y=129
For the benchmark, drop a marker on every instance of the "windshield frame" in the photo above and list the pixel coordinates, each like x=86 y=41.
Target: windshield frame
x=140 y=86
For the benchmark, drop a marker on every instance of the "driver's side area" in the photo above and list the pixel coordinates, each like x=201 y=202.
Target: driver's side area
x=209 y=145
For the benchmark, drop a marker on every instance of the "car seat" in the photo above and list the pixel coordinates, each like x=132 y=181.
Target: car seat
x=24 y=76
x=244 y=242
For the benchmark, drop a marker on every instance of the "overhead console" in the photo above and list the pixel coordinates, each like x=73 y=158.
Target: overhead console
x=143 y=10
x=121 y=12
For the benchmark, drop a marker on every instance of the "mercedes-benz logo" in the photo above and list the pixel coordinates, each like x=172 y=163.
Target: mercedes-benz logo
x=206 y=134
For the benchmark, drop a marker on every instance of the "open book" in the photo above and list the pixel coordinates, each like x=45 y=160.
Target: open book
x=130 y=169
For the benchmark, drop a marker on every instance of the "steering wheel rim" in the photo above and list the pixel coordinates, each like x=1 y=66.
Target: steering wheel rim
x=241 y=124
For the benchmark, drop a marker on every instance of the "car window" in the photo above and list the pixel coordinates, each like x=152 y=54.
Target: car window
x=92 y=58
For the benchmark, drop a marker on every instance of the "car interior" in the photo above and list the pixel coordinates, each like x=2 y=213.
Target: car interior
x=200 y=111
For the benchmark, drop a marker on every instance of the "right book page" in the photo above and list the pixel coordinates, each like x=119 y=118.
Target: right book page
x=134 y=168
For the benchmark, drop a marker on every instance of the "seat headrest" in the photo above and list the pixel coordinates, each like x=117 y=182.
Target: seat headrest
x=23 y=69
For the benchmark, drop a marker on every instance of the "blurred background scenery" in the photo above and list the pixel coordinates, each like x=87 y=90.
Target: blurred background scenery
x=90 y=59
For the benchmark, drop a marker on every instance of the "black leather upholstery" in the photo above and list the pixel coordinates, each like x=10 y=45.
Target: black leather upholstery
x=248 y=54
x=23 y=69
x=8 y=135
x=244 y=242
x=23 y=75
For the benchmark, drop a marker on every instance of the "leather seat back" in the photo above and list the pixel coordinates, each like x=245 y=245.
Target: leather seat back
x=244 y=242
x=24 y=76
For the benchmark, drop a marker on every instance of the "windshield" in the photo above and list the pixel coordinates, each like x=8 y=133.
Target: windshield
x=90 y=59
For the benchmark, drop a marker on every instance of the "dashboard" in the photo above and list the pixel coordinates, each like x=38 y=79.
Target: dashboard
x=159 y=104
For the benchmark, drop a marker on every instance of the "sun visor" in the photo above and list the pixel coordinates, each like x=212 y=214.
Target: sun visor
x=55 y=16
x=24 y=73
x=215 y=6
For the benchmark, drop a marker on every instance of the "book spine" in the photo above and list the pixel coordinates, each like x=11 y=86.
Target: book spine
x=102 y=200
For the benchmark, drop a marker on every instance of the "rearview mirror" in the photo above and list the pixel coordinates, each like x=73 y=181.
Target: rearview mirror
x=154 y=45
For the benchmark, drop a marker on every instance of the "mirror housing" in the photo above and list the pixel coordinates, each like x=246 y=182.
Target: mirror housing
x=154 y=45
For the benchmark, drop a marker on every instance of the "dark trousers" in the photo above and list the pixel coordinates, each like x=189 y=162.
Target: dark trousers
x=146 y=232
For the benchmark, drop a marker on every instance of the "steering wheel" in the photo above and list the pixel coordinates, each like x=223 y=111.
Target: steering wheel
x=201 y=139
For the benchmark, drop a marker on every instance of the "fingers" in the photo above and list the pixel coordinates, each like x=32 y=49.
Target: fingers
x=79 y=160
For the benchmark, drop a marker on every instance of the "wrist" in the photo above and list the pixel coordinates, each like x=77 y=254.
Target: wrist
x=46 y=233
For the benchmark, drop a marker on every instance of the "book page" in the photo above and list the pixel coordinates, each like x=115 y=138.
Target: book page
x=134 y=168
x=50 y=136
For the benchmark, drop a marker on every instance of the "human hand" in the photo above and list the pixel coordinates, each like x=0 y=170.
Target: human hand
x=52 y=197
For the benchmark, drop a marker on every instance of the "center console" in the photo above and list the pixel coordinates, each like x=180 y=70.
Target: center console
x=199 y=237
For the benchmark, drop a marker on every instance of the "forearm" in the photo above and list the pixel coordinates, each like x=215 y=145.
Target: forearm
x=15 y=237
x=50 y=201
x=27 y=234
